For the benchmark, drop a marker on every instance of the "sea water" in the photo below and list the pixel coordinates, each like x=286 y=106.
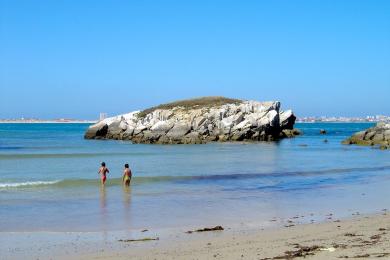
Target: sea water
x=49 y=180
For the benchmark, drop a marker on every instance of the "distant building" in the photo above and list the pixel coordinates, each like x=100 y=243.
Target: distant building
x=373 y=119
x=102 y=116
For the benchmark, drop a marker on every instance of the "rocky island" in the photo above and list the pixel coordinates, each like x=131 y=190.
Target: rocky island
x=377 y=135
x=200 y=120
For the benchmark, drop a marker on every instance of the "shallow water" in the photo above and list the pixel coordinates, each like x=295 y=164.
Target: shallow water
x=49 y=180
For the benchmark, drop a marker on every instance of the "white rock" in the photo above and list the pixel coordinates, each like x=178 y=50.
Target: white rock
x=162 y=126
x=139 y=128
x=123 y=125
x=243 y=124
x=178 y=130
x=284 y=115
x=273 y=117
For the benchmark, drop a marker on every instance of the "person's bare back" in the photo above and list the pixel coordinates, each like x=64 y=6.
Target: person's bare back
x=103 y=170
x=126 y=175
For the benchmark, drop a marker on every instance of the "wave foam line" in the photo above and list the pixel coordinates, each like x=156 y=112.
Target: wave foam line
x=27 y=183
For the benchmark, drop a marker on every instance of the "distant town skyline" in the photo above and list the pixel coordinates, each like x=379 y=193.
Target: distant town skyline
x=69 y=59
x=102 y=116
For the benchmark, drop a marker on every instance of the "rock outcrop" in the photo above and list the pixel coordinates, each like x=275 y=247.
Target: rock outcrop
x=377 y=135
x=199 y=121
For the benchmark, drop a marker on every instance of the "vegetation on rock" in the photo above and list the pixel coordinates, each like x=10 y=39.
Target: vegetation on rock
x=202 y=102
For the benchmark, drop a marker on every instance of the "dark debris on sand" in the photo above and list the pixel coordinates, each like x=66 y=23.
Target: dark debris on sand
x=301 y=251
x=216 y=228
x=138 y=240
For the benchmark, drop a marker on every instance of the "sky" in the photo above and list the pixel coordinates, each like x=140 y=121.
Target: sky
x=75 y=59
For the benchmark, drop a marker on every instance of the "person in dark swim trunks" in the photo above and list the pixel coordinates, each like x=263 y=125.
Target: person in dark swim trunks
x=103 y=170
x=126 y=175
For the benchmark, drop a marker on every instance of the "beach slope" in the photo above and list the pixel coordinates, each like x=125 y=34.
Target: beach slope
x=364 y=238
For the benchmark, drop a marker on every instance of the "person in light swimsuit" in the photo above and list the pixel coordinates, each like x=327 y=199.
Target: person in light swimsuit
x=103 y=170
x=126 y=175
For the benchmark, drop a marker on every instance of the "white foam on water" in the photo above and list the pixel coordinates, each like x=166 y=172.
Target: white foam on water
x=27 y=183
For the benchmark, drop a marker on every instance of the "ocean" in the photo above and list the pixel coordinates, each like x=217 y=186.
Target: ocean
x=49 y=180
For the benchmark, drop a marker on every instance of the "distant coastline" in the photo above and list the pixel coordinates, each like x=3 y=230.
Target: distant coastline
x=324 y=119
x=40 y=121
x=311 y=119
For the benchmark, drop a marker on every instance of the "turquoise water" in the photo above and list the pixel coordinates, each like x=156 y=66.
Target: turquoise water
x=49 y=180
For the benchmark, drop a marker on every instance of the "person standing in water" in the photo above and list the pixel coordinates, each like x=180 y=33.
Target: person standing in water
x=126 y=175
x=103 y=170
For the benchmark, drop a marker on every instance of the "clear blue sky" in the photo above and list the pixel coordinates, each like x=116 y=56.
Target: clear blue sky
x=78 y=58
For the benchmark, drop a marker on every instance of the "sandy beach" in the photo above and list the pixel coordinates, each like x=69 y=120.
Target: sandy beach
x=361 y=237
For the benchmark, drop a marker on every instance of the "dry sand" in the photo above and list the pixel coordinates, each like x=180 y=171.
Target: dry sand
x=363 y=237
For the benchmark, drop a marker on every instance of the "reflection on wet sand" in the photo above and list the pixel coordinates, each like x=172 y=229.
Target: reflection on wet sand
x=103 y=206
x=127 y=205
x=103 y=211
x=103 y=200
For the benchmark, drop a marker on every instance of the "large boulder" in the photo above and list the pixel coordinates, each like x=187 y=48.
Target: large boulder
x=289 y=133
x=162 y=126
x=378 y=135
x=199 y=121
x=287 y=119
x=178 y=131
x=96 y=131
x=115 y=129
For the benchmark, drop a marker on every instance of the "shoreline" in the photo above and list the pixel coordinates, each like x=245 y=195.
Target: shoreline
x=361 y=236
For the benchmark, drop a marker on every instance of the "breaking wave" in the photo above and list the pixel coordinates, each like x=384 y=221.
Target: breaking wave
x=26 y=184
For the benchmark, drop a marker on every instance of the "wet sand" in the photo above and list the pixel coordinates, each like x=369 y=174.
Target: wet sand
x=361 y=237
